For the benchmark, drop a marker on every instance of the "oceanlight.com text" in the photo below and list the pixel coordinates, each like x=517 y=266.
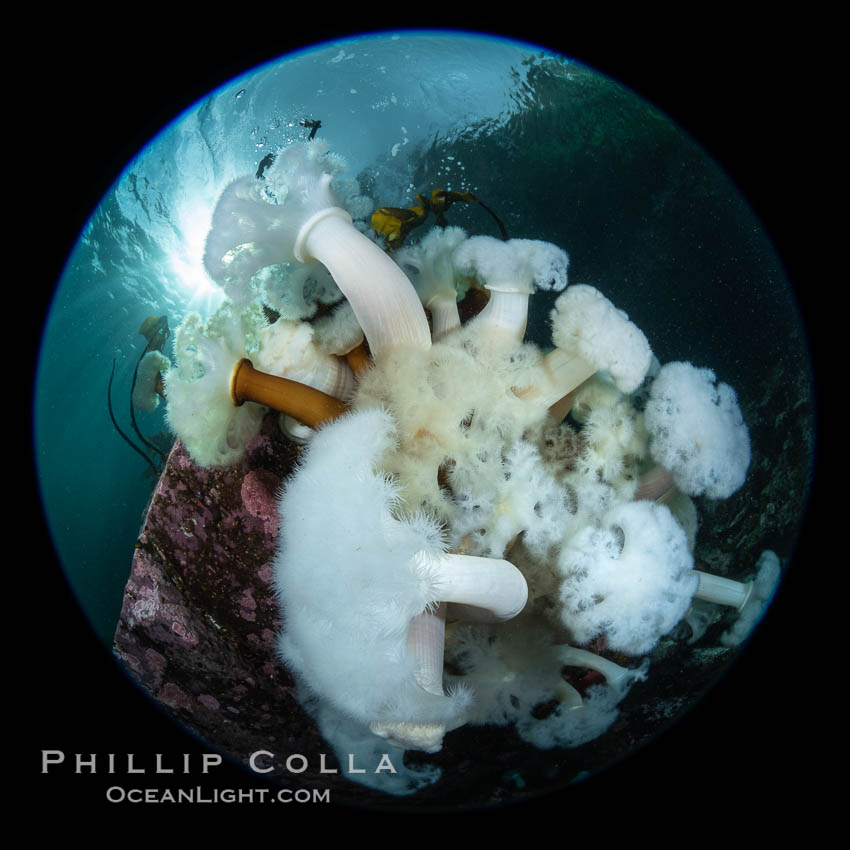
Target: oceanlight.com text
x=118 y=794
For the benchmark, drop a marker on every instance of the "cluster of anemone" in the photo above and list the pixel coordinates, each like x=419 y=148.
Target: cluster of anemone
x=470 y=512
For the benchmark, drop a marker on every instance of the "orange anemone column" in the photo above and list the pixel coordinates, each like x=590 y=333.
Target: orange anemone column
x=309 y=406
x=359 y=359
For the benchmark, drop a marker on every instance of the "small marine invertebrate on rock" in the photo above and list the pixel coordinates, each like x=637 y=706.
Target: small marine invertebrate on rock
x=287 y=349
x=304 y=220
x=217 y=399
x=431 y=269
x=511 y=271
x=200 y=410
x=148 y=384
x=698 y=437
x=631 y=579
x=759 y=591
x=590 y=335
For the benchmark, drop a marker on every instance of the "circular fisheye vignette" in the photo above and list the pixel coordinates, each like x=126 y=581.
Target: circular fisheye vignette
x=261 y=482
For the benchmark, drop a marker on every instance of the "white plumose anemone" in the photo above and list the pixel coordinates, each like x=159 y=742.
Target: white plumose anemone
x=697 y=431
x=511 y=271
x=200 y=409
x=353 y=575
x=453 y=458
x=630 y=579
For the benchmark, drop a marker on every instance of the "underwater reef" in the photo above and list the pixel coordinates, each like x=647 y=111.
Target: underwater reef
x=393 y=524
x=198 y=632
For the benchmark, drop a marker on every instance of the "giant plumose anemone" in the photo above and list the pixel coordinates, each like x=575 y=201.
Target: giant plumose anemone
x=443 y=508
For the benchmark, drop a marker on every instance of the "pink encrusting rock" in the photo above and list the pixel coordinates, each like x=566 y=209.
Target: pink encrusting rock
x=198 y=623
x=199 y=630
x=259 y=496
